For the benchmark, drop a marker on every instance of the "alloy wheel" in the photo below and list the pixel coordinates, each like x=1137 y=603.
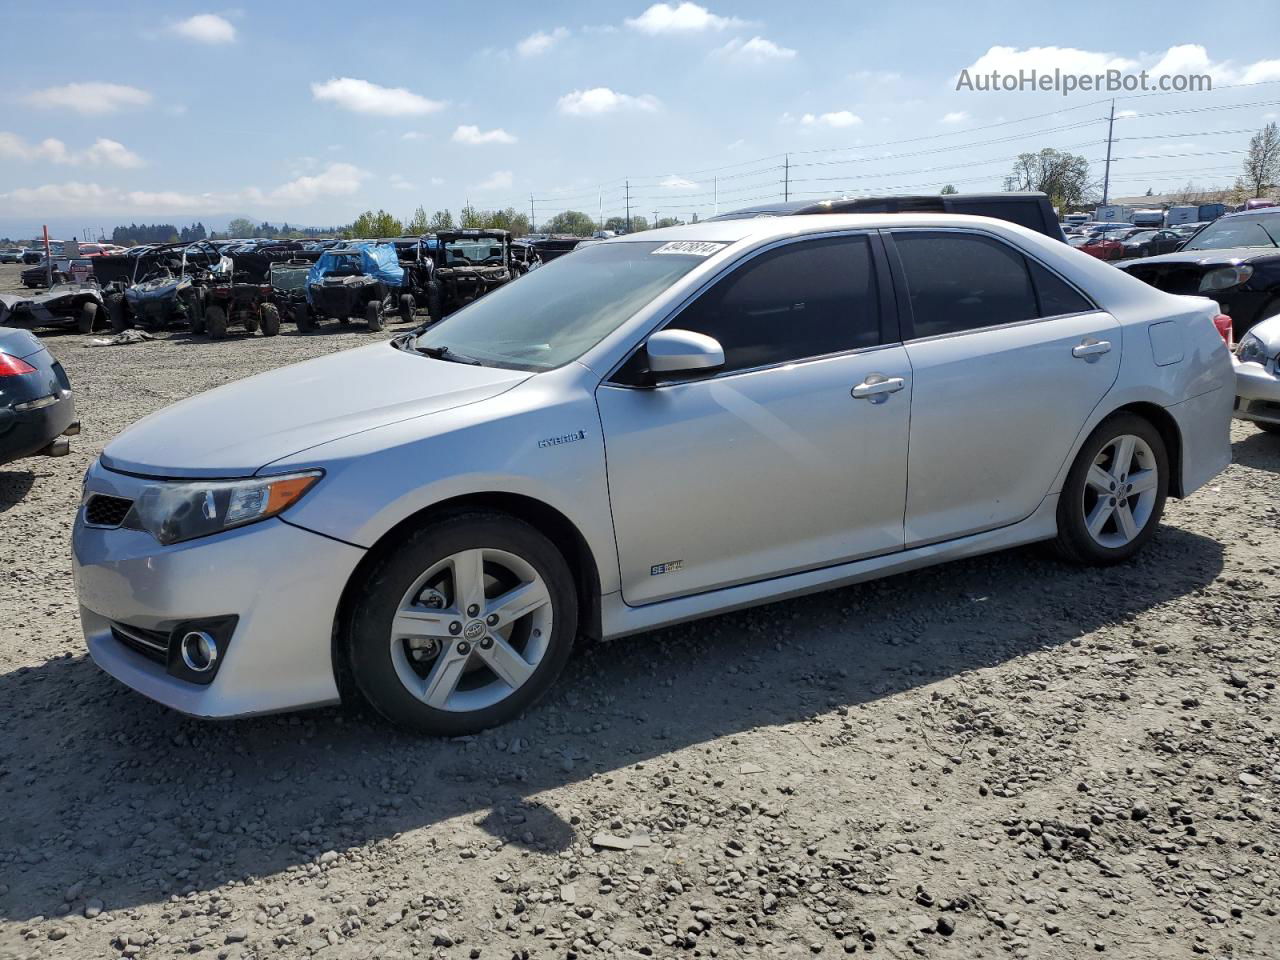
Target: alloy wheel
x=471 y=630
x=1120 y=491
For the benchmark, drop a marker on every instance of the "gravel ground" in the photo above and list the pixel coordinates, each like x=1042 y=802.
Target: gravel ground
x=1003 y=756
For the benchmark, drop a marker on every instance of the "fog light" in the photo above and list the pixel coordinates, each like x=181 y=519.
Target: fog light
x=199 y=651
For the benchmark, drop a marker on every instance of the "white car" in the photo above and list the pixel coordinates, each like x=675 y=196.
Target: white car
x=655 y=428
x=1257 y=375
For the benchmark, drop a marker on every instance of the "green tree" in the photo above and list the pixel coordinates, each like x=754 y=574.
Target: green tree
x=380 y=224
x=949 y=189
x=1262 y=163
x=1063 y=176
x=241 y=227
x=469 y=218
x=667 y=222
x=418 y=223
x=573 y=222
x=440 y=220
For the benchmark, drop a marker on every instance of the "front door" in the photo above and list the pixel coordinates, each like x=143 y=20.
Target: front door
x=792 y=456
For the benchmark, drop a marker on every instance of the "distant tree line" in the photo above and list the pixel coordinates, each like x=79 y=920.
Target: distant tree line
x=136 y=233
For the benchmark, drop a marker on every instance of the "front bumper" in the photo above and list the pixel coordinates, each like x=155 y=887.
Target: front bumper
x=1257 y=391
x=281 y=582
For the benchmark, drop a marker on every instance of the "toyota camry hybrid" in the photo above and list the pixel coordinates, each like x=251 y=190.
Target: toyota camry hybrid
x=655 y=428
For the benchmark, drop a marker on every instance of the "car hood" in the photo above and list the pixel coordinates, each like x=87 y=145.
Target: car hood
x=235 y=430
x=1206 y=259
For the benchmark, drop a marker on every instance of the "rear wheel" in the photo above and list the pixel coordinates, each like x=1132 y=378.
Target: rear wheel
x=1269 y=427
x=269 y=319
x=115 y=313
x=302 y=318
x=407 y=308
x=215 y=322
x=88 y=318
x=463 y=625
x=434 y=307
x=1112 y=501
x=373 y=314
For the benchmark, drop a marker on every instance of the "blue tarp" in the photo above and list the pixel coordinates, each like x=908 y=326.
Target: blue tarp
x=376 y=260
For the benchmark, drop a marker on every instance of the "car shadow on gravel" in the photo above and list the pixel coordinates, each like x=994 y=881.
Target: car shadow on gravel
x=1260 y=450
x=99 y=785
x=14 y=486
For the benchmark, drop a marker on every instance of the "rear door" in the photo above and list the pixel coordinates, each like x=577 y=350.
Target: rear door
x=1008 y=361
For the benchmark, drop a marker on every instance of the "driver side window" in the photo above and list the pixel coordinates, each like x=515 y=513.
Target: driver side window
x=802 y=300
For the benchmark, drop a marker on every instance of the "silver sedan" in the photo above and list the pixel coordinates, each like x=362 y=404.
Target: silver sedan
x=654 y=428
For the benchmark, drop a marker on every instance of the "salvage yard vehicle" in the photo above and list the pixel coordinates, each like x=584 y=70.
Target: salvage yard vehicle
x=156 y=285
x=11 y=255
x=1257 y=368
x=1235 y=260
x=234 y=300
x=1144 y=243
x=362 y=279
x=75 y=305
x=433 y=541
x=468 y=264
x=288 y=282
x=37 y=410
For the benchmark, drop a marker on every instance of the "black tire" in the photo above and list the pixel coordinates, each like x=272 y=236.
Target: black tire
x=1269 y=427
x=116 y=313
x=434 y=302
x=88 y=318
x=1074 y=542
x=302 y=318
x=407 y=307
x=215 y=322
x=367 y=627
x=195 y=310
x=269 y=320
x=373 y=315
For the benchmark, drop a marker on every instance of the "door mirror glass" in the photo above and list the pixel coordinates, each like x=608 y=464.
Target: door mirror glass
x=683 y=351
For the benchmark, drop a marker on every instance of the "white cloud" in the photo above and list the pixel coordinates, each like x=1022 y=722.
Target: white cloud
x=677 y=183
x=400 y=183
x=540 y=42
x=498 y=180
x=413 y=135
x=837 y=118
x=468 y=133
x=877 y=76
x=206 y=28
x=336 y=180
x=1261 y=72
x=90 y=98
x=1125 y=114
x=437 y=181
x=361 y=96
x=1008 y=60
x=680 y=18
x=603 y=100
x=955 y=116
x=755 y=50
x=103 y=152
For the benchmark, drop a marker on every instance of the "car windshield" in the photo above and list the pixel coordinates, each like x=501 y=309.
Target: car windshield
x=473 y=250
x=1261 y=230
x=288 y=278
x=553 y=315
x=1143 y=235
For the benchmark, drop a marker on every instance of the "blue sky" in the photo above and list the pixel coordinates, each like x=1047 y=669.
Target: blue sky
x=312 y=113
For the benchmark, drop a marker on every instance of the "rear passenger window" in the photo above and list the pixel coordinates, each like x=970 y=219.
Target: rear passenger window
x=804 y=299
x=958 y=282
x=1056 y=295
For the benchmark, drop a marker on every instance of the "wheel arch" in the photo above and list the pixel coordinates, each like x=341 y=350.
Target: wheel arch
x=1167 y=426
x=543 y=517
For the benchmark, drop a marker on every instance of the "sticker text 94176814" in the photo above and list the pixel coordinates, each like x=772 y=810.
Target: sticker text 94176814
x=690 y=248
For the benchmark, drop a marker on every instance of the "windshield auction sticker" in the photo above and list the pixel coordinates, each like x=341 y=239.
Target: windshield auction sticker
x=691 y=248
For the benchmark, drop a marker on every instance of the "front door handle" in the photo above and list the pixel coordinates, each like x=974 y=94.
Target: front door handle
x=1091 y=349
x=877 y=388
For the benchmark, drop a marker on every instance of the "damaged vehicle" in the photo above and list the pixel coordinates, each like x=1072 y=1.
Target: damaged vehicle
x=288 y=282
x=1235 y=260
x=76 y=306
x=468 y=264
x=158 y=285
x=363 y=279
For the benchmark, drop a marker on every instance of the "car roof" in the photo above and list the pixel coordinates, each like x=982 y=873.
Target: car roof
x=1269 y=211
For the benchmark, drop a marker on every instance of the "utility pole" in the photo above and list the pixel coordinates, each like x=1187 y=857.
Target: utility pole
x=655 y=218
x=786 y=177
x=1106 y=171
x=715 y=193
x=533 y=224
x=628 y=183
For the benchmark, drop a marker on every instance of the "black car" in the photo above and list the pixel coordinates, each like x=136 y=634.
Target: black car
x=1235 y=260
x=1145 y=243
x=38 y=276
x=1027 y=208
x=37 y=411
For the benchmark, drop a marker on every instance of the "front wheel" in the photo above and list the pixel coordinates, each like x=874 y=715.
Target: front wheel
x=302 y=318
x=88 y=318
x=215 y=322
x=407 y=308
x=1115 y=491
x=373 y=314
x=116 y=313
x=463 y=625
x=269 y=319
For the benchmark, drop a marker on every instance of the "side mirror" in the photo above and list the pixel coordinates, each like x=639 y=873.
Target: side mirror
x=683 y=351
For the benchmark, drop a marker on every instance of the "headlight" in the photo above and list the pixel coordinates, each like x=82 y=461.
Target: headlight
x=172 y=512
x=1251 y=350
x=1225 y=277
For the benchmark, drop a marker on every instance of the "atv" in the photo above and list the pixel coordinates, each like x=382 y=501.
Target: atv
x=233 y=300
x=363 y=279
x=288 y=282
x=77 y=305
x=157 y=285
x=468 y=264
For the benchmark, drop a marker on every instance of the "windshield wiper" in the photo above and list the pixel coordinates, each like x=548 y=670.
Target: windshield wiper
x=444 y=353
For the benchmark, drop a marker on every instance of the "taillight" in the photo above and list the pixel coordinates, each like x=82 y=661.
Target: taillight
x=1222 y=323
x=11 y=366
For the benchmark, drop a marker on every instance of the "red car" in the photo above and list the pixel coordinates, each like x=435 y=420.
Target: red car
x=1104 y=247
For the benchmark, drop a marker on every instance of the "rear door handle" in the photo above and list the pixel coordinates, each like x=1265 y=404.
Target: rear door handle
x=1091 y=349
x=877 y=387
